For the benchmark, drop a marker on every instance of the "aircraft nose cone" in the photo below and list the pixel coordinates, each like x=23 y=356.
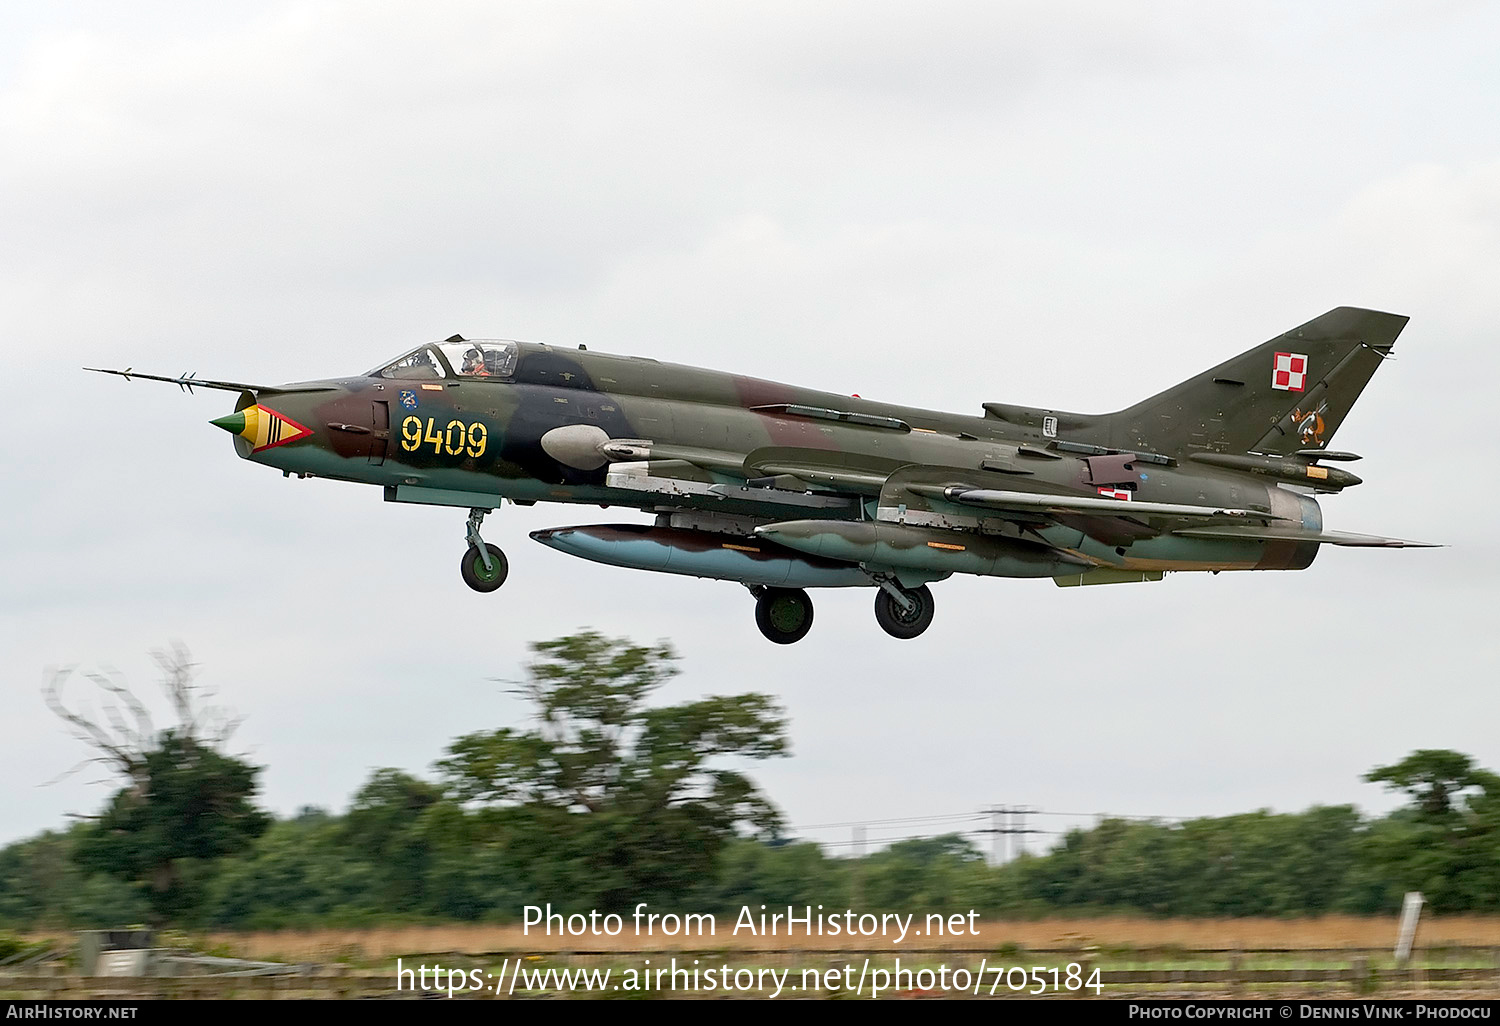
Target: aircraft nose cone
x=234 y=423
x=262 y=427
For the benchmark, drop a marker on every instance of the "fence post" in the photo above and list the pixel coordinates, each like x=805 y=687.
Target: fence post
x=1359 y=974
x=1411 y=913
x=1086 y=966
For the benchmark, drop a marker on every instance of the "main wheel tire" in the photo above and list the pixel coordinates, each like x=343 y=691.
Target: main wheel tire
x=476 y=576
x=784 y=615
x=903 y=623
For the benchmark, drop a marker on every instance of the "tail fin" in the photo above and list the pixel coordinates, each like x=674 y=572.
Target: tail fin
x=1288 y=394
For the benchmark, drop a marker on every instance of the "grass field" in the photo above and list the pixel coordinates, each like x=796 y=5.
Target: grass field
x=1126 y=957
x=1117 y=933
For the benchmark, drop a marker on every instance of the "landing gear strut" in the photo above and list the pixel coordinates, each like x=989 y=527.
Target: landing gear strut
x=484 y=566
x=784 y=615
x=902 y=612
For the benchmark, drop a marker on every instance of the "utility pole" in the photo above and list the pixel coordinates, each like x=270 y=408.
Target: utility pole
x=1007 y=821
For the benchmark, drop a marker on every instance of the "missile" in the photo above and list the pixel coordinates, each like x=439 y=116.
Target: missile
x=1298 y=471
x=722 y=557
x=907 y=547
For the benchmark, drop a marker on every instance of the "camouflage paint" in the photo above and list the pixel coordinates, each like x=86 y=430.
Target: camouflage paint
x=717 y=445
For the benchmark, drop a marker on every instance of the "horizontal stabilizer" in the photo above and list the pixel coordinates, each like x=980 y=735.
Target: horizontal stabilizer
x=1253 y=533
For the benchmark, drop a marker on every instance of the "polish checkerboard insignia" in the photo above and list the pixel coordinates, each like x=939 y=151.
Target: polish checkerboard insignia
x=1289 y=372
x=1123 y=494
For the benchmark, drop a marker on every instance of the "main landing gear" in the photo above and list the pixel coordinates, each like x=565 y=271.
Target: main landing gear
x=903 y=612
x=484 y=566
x=784 y=615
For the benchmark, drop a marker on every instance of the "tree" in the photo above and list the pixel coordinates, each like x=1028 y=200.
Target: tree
x=1442 y=784
x=184 y=802
x=301 y=872
x=1446 y=843
x=927 y=873
x=789 y=873
x=610 y=797
x=384 y=824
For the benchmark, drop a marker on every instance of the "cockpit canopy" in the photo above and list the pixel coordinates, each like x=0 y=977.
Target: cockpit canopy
x=421 y=362
x=457 y=357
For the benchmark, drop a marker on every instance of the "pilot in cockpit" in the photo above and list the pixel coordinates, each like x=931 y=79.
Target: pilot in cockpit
x=474 y=363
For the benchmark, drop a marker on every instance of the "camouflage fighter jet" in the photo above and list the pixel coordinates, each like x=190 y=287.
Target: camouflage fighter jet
x=783 y=489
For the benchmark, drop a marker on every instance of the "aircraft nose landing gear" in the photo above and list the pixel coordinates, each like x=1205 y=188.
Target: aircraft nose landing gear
x=784 y=615
x=484 y=566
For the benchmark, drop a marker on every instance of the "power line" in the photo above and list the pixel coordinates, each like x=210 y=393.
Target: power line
x=1111 y=815
x=862 y=839
x=1006 y=821
x=986 y=812
x=901 y=819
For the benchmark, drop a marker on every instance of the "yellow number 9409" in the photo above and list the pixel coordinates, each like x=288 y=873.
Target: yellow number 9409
x=454 y=438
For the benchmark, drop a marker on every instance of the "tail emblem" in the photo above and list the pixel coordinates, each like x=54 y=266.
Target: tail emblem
x=1289 y=372
x=1310 y=424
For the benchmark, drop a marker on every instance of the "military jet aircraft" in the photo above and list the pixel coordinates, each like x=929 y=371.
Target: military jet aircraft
x=782 y=489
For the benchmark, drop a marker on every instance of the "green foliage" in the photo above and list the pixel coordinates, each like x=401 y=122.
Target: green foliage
x=1446 y=843
x=11 y=946
x=1443 y=785
x=629 y=807
x=801 y=873
x=299 y=873
x=189 y=804
x=183 y=803
x=933 y=874
x=384 y=824
x=607 y=801
x=41 y=885
x=1254 y=864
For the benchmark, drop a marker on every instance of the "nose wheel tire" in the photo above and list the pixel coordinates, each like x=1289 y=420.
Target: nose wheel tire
x=904 y=623
x=784 y=615
x=475 y=573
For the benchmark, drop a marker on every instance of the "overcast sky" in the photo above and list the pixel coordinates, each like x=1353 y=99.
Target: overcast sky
x=939 y=204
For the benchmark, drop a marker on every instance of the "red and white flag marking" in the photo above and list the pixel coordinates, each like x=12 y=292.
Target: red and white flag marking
x=1289 y=372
